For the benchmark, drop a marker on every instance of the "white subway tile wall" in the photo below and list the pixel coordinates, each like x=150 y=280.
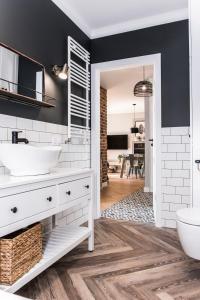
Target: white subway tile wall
x=176 y=177
x=75 y=154
x=176 y=173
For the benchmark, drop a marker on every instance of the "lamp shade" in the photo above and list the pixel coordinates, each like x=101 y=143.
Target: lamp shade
x=143 y=88
x=64 y=72
x=134 y=130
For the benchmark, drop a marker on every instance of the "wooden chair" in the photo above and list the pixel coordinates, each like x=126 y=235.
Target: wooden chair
x=141 y=166
x=133 y=166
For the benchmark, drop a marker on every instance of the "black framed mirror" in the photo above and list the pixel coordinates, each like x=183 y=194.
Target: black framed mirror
x=22 y=78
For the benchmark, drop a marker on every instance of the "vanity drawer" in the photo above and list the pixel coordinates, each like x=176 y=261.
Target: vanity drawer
x=75 y=189
x=18 y=207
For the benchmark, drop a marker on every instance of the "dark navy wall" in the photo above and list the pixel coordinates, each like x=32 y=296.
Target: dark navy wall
x=172 y=41
x=39 y=29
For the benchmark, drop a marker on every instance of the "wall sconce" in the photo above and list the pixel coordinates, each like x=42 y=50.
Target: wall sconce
x=60 y=71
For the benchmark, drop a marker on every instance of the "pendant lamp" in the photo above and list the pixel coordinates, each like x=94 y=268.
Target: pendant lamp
x=143 y=88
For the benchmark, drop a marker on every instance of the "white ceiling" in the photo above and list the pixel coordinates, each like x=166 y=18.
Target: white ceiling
x=104 y=17
x=120 y=84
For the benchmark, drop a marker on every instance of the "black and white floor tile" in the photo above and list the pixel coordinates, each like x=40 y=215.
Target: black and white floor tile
x=137 y=207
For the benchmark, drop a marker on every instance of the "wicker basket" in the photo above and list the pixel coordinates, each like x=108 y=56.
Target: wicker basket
x=19 y=252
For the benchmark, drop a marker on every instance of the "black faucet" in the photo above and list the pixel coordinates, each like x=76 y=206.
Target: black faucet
x=16 y=139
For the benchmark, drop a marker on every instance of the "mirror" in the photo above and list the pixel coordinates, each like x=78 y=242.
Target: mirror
x=20 y=75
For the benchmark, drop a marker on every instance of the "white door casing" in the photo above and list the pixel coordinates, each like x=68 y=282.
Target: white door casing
x=96 y=69
x=148 y=187
x=194 y=16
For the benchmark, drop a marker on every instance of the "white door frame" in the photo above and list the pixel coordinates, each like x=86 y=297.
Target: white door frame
x=96 y=69
x=194 y=22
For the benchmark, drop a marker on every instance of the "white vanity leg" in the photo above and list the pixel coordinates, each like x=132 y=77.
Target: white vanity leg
x=91 y=239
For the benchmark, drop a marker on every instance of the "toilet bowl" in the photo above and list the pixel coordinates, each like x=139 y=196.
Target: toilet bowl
x=188 y=226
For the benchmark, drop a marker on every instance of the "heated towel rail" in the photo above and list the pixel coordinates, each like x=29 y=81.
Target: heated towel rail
x=78 y=90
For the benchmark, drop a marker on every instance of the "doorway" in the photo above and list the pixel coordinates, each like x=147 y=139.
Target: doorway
x=96 y=70
x=124 y=154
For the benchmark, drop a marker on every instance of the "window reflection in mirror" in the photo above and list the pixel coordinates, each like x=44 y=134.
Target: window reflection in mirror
x=20 y=74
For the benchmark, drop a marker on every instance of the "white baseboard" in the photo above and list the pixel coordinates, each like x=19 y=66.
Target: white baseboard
x=148 y=190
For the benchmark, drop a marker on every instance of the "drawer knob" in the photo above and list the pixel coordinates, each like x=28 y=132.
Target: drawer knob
x=87 y=186
x=49 y=199
x=68 y=193
x=14 y=210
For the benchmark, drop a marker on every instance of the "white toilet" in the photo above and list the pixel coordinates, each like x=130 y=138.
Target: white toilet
x=188 y=225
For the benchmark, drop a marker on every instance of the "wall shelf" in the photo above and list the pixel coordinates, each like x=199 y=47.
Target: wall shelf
x=4 y=94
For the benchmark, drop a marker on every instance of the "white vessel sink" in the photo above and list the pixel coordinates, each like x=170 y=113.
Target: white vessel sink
x=27 y=160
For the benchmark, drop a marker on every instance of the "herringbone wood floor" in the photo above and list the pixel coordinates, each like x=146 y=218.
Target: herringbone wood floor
x=130 y=261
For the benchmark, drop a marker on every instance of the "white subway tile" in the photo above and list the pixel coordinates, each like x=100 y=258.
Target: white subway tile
x=170 y=223
x=165 y=131
x=56 y=139
x=85 y=210
x=169 y=215
x=24 y=124
x=166 y=173
x=168 y=156
x=176 y=147
x=80 y=221
x=185 y=139
x=62 y=222
x=172 y=198
x=175 y=181
x=62 y=129
x=65 y=147
x=174 y=165
x=175 y=207
x=183 y=156
x=185 y=191
x=166 y=189
x=52 y=128
x=181 y=173
x=3 y=134
x=78 y=214
x=8 y=121
x=164 y=148
x=39 y=126
x=165 y=206
x=45 y=137
x=188 y=147
x=186 y=164
x=172 y=139
x=187 y=182
x=179 y=131
x=70 y=218
x=187 y=200
x=32 y=136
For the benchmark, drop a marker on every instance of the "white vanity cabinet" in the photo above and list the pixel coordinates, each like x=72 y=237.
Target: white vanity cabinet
x=26 y=200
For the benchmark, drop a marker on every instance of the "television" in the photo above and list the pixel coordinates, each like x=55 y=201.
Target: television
x=117 y=142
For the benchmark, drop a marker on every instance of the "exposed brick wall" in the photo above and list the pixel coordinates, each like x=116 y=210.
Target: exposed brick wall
x=103 y=120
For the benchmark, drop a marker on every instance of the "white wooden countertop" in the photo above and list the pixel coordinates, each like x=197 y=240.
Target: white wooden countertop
x=7 y=181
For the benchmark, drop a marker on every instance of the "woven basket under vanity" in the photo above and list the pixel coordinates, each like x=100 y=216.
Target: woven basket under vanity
x=19 y=252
